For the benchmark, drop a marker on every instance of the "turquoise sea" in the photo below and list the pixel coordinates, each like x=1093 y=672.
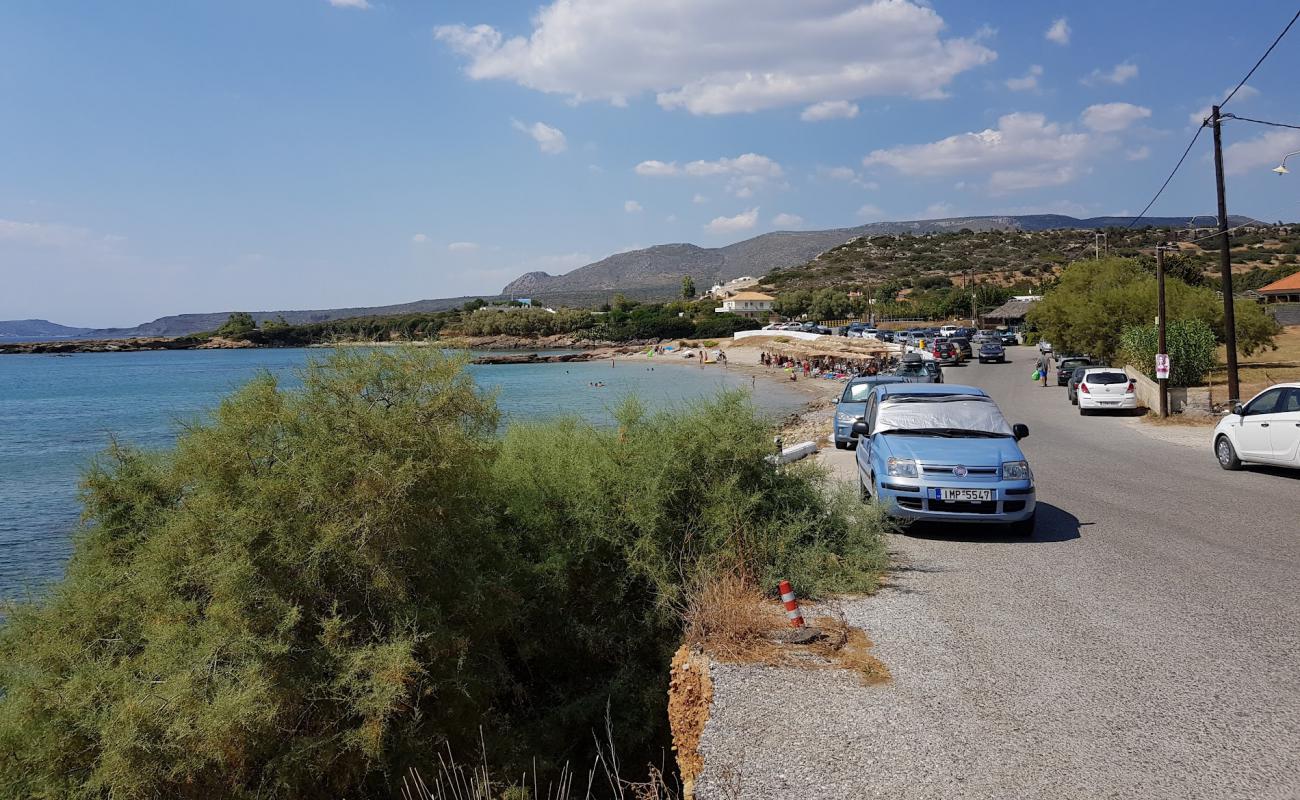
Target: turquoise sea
x=57 y=412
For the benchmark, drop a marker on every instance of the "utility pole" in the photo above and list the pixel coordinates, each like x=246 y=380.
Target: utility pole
x=871 y=312
x=1225 y=263
x=1161 y=352
x=974 y=312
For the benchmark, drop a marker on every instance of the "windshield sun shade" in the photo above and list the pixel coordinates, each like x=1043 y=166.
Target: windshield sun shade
x=957 y=411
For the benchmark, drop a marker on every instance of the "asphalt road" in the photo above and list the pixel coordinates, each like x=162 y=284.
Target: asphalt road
x=1145 y=643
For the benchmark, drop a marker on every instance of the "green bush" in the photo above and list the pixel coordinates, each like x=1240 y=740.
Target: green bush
x=1190 y=344
x=318 y=589
x=1094 y=301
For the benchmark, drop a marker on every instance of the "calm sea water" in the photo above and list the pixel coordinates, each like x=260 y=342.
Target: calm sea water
x=56 y=413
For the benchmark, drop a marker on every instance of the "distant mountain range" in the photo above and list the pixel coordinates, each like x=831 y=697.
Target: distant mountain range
x=653 y=273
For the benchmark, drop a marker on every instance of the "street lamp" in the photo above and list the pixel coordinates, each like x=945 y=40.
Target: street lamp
x=1281 y=169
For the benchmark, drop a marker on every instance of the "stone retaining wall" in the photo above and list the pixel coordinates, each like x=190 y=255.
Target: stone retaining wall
x=1181 y=398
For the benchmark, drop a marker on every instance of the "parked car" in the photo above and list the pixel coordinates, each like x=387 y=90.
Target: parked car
x=885 y=336
x=1072 y=388
x=853 y=404
x=1106 y=388
x=926 y=370
x=1265 y=430
x=1066 y=365
x=945 y=352
x=1009 y=338
x=949 y=330
x=944 y=453
x=963 y=346
x=992 y=351
x=1044 y=346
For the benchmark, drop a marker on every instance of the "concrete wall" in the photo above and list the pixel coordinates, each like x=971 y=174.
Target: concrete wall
x=1181 y=398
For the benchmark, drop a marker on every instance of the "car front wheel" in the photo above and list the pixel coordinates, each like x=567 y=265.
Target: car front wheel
x=1226 y=454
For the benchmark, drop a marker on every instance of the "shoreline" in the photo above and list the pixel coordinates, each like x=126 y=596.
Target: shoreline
x=811 y=422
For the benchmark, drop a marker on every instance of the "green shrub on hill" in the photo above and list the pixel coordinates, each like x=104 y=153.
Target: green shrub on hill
x=1095 y=301
x=317 y=589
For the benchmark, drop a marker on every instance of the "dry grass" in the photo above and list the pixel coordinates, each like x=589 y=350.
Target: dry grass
x=733 y=622
x=1204 y=420
x=1263 y=369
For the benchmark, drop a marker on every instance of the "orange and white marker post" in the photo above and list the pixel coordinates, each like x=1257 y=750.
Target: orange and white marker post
x=791 y=605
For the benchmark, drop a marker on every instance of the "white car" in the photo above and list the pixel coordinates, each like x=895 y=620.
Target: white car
x=948 y=330
x=1044 y=346
x=1106 y=388
x=1264 y=431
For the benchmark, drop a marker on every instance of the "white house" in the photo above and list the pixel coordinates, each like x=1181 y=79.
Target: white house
x=748 y=304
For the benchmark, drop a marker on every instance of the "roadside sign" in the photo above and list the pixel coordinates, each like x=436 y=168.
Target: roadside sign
x=1162 y=366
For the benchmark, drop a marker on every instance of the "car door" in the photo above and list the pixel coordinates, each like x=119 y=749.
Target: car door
x=1256 y=419
x=1284 y=428
x=863 y=453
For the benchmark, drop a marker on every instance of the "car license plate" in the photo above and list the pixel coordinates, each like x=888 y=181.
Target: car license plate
x=965 y=495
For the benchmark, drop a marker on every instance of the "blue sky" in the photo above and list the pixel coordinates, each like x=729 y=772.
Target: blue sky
x=165 y=157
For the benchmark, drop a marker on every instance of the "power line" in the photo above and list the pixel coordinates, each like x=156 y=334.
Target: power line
x=1259 y=121
x=1261 y=60
x=1205 y=122
x=1161 y=190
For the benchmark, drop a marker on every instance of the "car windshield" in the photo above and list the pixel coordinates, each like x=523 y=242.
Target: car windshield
x=1071 y=363
x=1103 y=378
x=857 y=392
x=953 y=416
x=911 y=369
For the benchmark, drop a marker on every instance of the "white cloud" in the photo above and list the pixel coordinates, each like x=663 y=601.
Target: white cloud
x=747 y=164
x=787 y=221
x=847 y=175
x=632 y=207
x=724 y=56
x=1025 y=151
x=1138 y=153
x=741 y=222
x=1261 y=153
x=1119 y=74
x=1028 y=82
x=1243 y=93
x=419 y=238
x=1059 y=32
x=745 y=174
x=1112 y=117
x=829 y=109
x=54 y=235
x=699 y=198
x=938 y=210
x=656 y=168
x=362 y=4
x=671 y=218
x=549 y=140
x=462 y=247
x=870 y=212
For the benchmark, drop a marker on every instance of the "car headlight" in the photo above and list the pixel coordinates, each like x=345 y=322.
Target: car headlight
x=847 y=419
x=901 y=468
x=1016 y=471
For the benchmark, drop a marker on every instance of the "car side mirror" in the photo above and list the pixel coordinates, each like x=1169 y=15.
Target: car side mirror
x=860 y=428
x=1238 y=410
x=1020 y=430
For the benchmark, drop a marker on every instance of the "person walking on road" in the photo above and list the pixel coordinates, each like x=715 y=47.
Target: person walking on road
x=1044 y=365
